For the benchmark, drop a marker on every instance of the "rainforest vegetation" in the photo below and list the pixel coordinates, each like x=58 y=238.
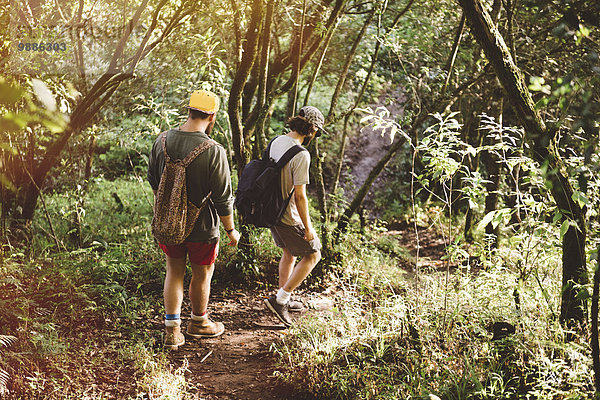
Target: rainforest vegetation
x=456 y=195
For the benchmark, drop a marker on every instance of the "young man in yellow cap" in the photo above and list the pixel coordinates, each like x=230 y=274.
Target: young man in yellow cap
x=207 y=175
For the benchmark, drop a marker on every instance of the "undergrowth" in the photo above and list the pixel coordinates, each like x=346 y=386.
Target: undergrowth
x=84 y=303
x=486 y=333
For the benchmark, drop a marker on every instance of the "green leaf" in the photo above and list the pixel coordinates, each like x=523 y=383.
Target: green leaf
x=580 y=199
x=564 y=228
x=54 y=126
x=557 y=217
x=537 y=84
x=583 y=294
x=10 y=94
x=366 y=119
x=13 y=122
x=486 y=220
x=4 y=181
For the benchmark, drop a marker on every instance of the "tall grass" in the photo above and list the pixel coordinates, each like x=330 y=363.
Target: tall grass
x=88 y=304
x=391 y=337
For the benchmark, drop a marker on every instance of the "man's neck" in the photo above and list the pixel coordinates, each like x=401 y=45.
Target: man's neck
x=192 y=125
x=296 y=136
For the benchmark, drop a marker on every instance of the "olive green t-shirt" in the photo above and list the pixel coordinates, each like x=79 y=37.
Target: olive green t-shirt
x=208 y=172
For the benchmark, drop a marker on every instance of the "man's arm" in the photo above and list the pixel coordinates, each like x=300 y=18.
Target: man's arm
x=220 y=185
x=302 y=206
x=219 y=182
x=228 y=225
x=153 y=175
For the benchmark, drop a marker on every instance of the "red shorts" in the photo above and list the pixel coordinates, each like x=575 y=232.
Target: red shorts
x=200 y=253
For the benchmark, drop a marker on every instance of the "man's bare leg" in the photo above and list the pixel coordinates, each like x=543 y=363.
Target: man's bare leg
x=173 y=287
x=173 y=297
x=201 y=325
x=200 y=287
x=301 y=271
x=286 y=267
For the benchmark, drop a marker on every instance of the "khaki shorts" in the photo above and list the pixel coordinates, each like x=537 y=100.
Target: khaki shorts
x=292 y=238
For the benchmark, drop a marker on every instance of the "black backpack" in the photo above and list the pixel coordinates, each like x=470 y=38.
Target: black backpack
x=258 y=197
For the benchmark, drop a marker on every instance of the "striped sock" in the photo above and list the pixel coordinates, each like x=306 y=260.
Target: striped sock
x=172 y=320
x=201 y=317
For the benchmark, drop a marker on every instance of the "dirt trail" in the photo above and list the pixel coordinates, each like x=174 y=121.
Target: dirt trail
x=239 y=364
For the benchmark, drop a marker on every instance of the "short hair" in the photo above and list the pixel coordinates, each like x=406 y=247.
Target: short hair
x=300 y=125
x=197 y=114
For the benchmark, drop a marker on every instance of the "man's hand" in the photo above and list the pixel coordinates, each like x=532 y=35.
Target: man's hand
x=234 y=237
x=310 y=234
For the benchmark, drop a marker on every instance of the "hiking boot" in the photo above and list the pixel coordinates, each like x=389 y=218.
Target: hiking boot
x=281 y=310
x=173 y=337
x=295 y=306
x=205 y=329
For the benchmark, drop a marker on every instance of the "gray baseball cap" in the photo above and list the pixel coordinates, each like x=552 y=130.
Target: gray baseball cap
x=314 y=116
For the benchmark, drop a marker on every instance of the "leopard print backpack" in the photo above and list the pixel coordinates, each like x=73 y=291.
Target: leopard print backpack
x=174 y=215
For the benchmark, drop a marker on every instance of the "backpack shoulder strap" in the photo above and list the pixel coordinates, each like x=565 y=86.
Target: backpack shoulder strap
x=267 y=152
x=289 y=155
x=197 y=151
x=163 y=140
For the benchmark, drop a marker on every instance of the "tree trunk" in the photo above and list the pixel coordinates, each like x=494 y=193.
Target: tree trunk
x=512 y=197
x=543 y=148
x=346 y=68
x=319 y=63
x=340 y=157
x=275 y=84
x=285 y=60
x=293 y=98
x=594 y=317
x=237 y=86
x=322 y=201
x=468 y=229
x=263 y=103
x=454 y=51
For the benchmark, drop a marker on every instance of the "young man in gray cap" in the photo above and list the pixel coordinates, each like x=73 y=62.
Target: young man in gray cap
x=295 y=233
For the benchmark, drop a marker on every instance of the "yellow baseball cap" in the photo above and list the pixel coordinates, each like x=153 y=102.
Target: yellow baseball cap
x=205 y=101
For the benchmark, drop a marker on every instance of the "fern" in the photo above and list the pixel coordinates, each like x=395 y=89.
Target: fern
x=3 y=382
x=5 y=341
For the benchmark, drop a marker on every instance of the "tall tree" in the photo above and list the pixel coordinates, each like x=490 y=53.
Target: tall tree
x=281 y=72
x=28 y=177
x=542 y=142
x=250 y=50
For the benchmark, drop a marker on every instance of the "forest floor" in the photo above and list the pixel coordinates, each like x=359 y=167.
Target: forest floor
x=240 y=364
